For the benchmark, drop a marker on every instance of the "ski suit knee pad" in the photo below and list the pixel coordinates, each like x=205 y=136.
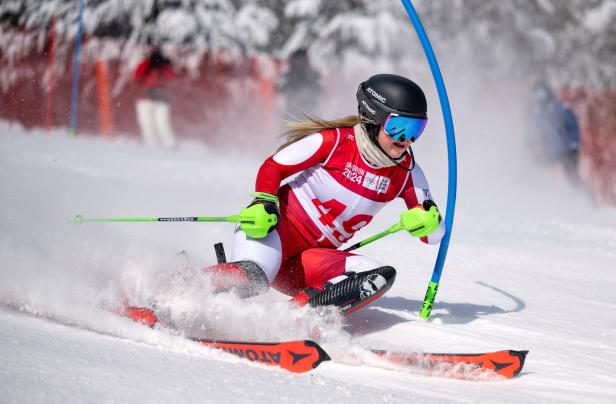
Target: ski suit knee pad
x=357 y=290
x=246 y=278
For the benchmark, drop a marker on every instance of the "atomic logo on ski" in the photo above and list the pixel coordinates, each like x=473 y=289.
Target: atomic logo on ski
x=298 y=356
x=295 y=356
x=507 y=364
x=498 y=366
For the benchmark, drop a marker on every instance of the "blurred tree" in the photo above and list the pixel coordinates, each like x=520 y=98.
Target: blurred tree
x=562 y=41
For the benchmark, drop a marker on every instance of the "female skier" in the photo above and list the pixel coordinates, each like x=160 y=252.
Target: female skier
x=348 y=169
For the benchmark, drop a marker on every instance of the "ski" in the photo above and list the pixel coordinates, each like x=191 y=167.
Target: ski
x=294 y=356
x=507 y=364
x=303 y=356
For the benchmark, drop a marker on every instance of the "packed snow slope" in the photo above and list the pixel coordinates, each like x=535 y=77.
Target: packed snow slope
x=531 y=266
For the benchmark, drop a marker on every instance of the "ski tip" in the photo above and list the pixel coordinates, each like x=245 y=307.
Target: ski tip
x=508 y=363
x=521 y=355
x=322 y=355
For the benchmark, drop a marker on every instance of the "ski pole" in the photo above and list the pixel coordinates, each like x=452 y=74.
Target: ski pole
x=369 y=240
x=403 y=224
x=78 y=219
x=254 y=222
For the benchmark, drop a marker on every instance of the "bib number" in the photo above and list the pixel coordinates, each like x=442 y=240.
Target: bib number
x=332 y=209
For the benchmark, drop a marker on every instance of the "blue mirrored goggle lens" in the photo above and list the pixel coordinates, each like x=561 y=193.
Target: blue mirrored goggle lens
x=402 y=128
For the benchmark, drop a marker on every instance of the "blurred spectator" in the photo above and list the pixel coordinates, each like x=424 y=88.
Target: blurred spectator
x=153 y=109
x=300 y=85
x=555 y=134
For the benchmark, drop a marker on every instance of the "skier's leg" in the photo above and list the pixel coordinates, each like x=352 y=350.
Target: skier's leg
x=146 y=122
x=310 y=268
x=254 y=263
x=246 y=278
x=266 y=254
x=164 y=130
x=323 y=276
x=355 y=291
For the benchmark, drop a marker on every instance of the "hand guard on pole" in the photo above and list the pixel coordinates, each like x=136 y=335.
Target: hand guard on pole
x=261 y=217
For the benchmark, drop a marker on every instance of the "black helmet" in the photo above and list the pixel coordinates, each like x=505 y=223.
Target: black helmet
x=385 y=94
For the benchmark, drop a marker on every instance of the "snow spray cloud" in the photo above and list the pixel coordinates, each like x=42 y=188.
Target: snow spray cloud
x=49 y=265
x=79 y=274
x=187 y=302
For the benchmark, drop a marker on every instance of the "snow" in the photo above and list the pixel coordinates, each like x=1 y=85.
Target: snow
x=256 y=24
x=531 y=266
x=597 y=19
x=300 y=8
x=177 y=24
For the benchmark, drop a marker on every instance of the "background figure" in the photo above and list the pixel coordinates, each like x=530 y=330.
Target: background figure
x=300 y=85
x=153 y=109
x=555 y=133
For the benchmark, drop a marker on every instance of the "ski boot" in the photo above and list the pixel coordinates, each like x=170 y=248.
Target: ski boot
x=352 y=293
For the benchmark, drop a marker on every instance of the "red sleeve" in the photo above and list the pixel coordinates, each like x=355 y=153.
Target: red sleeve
x=293 y=159
x=142 y=70
x=409 y=195
x=168 y=71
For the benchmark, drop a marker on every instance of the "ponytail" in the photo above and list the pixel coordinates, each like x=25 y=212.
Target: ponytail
x=297 y=130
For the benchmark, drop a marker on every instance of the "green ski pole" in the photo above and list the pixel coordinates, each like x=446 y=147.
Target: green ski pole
x=256 y=223
x=78 y=219
x=404 y=224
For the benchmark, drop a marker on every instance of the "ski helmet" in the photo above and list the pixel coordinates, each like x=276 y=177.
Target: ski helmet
x=386 y=96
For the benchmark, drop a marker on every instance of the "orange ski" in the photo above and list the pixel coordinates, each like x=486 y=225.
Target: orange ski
x=294 y=356
x=505 y=363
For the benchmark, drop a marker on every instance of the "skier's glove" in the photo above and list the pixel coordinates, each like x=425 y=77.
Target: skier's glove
x=422 y=219
x=260 y=218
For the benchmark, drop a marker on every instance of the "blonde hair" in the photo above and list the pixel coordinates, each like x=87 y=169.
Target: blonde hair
x=297 y=130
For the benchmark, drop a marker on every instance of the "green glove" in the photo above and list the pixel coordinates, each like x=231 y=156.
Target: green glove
x=260 y=218
x=421 y=220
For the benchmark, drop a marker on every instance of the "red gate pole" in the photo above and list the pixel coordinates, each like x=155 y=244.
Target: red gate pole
x=104 y=101
x=51 y=73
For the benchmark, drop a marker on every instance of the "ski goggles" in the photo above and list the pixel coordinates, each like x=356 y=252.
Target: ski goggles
x=403 y=128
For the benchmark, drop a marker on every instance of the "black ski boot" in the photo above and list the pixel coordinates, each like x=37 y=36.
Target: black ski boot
x=353 y=293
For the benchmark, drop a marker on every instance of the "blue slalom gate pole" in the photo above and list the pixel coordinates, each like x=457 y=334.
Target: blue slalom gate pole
x=75 y=96
x=451 y=158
